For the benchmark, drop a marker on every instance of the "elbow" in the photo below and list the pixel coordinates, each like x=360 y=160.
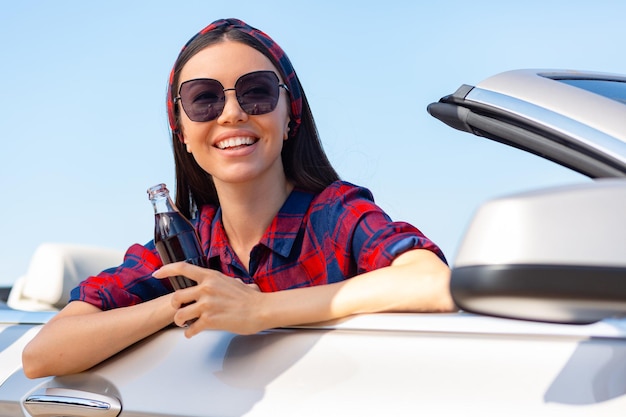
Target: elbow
x=445 y=300
x=445 y=304
x=36 y=363
x=33 y=373
x=442 y=300
x=31 y=364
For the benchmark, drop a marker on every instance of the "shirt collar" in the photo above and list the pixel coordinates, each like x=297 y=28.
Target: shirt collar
x=279 y=237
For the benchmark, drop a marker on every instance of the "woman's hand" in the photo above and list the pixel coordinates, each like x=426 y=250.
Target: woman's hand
x=416 y=281
x=217 y=302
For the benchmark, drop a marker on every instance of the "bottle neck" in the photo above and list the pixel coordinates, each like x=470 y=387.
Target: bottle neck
x=163 y=204
x=160 y=199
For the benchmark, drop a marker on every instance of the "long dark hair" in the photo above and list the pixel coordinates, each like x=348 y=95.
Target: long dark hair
x=304 y=161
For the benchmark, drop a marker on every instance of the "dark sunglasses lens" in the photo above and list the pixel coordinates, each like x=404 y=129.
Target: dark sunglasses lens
x=202 y=100
x=258 y=92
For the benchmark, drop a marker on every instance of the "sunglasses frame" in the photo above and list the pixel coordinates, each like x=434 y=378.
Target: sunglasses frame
x=222 y=99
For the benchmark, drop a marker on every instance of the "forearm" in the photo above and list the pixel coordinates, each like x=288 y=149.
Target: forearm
x=417 y=281
x=82 y=336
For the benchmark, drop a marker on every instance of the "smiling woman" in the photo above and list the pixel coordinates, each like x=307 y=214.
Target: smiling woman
x=209 y=123
x=286 y=242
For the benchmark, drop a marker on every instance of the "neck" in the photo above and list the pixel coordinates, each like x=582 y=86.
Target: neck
x=248 y=209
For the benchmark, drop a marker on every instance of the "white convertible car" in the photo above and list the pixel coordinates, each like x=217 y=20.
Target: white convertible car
x=540 y=277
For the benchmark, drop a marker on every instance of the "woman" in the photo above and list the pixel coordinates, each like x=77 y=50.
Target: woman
x=303 y=246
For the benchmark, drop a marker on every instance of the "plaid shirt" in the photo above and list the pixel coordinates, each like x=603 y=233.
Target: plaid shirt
x=313 y=240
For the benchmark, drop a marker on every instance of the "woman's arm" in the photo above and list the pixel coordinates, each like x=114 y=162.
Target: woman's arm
x=416 y=281
x=81 y=335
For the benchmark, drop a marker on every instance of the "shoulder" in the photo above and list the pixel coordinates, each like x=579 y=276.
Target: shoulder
x=207 y=213
x=342 y=202
x=344 y=192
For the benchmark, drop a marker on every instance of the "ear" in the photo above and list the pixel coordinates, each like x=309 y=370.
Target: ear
x=286 y=130
x=187 y=144
x=181 y=137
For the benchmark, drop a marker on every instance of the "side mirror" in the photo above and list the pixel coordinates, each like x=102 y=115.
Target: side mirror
x=554 y=255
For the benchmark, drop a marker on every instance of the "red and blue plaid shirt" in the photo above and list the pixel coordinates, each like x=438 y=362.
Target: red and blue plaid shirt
x=313 y=240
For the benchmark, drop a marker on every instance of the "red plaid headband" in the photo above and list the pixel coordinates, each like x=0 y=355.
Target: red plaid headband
x=284 y=67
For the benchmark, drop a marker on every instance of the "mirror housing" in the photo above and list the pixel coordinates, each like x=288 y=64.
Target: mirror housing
x=553 y=255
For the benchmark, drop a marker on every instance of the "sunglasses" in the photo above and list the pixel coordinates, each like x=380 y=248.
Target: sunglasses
x=203 y=99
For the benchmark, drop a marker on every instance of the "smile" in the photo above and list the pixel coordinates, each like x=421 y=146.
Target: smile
x=231 y=143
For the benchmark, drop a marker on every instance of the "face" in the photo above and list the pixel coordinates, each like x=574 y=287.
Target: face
x=235 y=147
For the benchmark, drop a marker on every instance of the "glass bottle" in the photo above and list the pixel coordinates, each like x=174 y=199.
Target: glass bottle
x=175 y=237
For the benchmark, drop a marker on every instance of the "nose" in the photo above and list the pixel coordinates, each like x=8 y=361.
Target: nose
x=232 y=113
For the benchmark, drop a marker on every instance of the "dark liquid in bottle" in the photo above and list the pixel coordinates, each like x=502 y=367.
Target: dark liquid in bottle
x=176 y=241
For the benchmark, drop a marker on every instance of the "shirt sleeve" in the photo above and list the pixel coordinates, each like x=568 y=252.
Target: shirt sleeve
x=128 y=284
x=374 y=239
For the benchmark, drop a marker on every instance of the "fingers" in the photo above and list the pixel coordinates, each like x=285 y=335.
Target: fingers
x=252 y=286
x=192 y=317
x=184 y=297
x=217 y=302
x=186 y=317
x=185 y=269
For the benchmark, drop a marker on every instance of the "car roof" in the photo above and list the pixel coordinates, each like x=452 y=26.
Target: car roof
x=550 y=89
x=560 y=115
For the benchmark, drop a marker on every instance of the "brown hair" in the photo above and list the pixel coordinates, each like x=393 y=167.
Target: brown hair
x=304 y=161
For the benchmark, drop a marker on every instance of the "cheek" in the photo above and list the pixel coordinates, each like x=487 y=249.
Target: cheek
x=192 y=131
x=284 y=114
x=287 y=107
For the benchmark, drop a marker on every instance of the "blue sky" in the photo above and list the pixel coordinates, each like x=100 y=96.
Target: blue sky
x=85 y=134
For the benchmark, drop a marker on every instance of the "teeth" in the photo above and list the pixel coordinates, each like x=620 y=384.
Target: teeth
x=234 y=142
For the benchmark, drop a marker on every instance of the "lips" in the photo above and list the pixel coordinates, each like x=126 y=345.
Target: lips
x=235 y=142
